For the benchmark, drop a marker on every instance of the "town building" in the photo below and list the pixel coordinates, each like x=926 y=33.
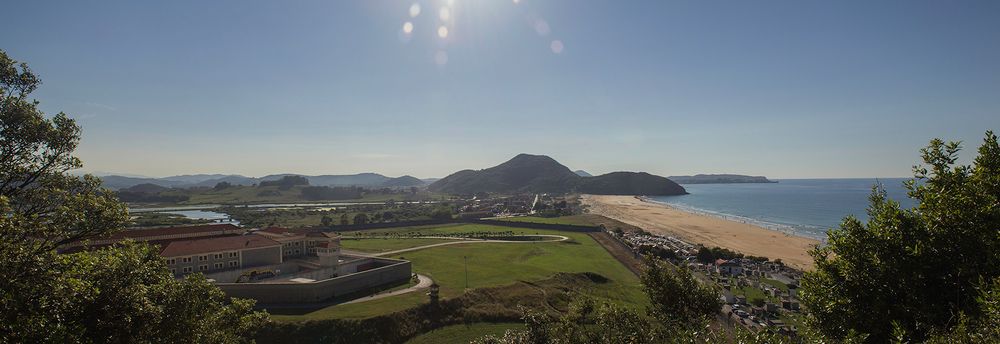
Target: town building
x=220 y=253
x=728 y=267
x=271 y=265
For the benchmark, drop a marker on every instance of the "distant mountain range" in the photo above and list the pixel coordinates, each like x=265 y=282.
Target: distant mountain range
x=115 y=182
x=539 y=173
x=719 y=179
x=583 y=173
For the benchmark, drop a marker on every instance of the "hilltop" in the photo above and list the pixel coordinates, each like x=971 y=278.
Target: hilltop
x=539 y=173
x=719 y=179
x=116 y=182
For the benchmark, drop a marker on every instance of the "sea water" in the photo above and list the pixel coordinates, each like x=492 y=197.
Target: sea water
x=804 y=207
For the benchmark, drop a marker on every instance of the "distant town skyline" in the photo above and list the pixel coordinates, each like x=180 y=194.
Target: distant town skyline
x=784 y=89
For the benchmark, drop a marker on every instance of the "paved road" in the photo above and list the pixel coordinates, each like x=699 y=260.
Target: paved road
x=424 y=283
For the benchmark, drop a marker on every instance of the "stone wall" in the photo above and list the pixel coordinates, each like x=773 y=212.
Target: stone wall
x=297 y=293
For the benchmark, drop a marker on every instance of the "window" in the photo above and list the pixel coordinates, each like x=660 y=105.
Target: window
x=202 y=258
x=173 y=271
x=218 y=256
x=203 y=267
x=187 y=269
x=186 y=259
x=170 y=261
x=232 y=254
x=218 y=265
x=232 y=264
x=296 y=251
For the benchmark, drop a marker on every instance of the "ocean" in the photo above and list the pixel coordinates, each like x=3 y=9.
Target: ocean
x=804 y=207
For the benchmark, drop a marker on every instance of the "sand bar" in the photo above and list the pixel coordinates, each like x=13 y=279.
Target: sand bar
x=703 y=229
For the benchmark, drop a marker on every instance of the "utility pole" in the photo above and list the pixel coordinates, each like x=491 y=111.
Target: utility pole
x=466 y=272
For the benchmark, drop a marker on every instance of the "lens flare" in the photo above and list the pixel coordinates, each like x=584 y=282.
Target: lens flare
x=542 y=28
x=444 y=13
x=443 y=31
x=407 y=27
x=414 y=10
x=557 y=46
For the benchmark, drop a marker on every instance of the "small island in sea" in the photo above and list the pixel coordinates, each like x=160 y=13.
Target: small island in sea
x=719 y=179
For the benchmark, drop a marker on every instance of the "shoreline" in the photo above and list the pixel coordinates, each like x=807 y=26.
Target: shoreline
x=771 y=226
x=703 y=229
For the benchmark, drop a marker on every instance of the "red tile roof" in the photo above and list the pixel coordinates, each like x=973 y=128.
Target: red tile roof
x=208 y=245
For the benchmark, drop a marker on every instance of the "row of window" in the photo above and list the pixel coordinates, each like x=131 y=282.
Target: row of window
x=204 y=267
x=172 y=261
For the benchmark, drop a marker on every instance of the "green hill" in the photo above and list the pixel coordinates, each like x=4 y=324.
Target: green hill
x=539 y=173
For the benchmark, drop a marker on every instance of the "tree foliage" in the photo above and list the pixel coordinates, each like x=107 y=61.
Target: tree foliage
x=117 y=294
x=680 y=309
x=676 y=297
x=912 y=271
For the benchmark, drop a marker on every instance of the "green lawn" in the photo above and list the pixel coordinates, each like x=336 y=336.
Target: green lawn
x=494 y=264
x=463 y=333
x=751 y=294
x=776 y=284
x=383 y=245
x=581 y=220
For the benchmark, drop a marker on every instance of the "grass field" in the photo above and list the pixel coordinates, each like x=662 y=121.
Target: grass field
x=383 y=245
x=494 y=264
x=463 y=333
x=776 y=284
x=580 y=220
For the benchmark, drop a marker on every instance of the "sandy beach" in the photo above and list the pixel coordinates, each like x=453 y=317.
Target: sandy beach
x=703 y=229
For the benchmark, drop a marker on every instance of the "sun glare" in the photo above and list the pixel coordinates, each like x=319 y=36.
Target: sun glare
x=444 y=19
x=445 y=13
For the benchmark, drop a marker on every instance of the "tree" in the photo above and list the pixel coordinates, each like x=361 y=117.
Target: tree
x=326 y=221
x=122 y=293
x=343 y=220
x=676 y=297
x=222 y=186
x=441 y=213
x=360 y=219
x=912 y=271
x=984 y=327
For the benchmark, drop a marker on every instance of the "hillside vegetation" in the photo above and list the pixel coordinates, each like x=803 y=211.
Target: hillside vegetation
x=542 y=174
x=719 y=179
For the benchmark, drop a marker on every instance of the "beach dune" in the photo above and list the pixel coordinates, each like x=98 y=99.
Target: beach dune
x=705 y=230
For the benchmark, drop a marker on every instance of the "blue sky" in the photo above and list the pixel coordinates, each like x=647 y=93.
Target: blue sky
x=787 y=89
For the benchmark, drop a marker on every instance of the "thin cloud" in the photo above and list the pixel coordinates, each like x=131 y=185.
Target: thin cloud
x=374 y=156
x=102 y=106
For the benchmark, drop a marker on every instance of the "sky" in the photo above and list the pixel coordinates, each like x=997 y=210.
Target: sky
x=786 y=89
